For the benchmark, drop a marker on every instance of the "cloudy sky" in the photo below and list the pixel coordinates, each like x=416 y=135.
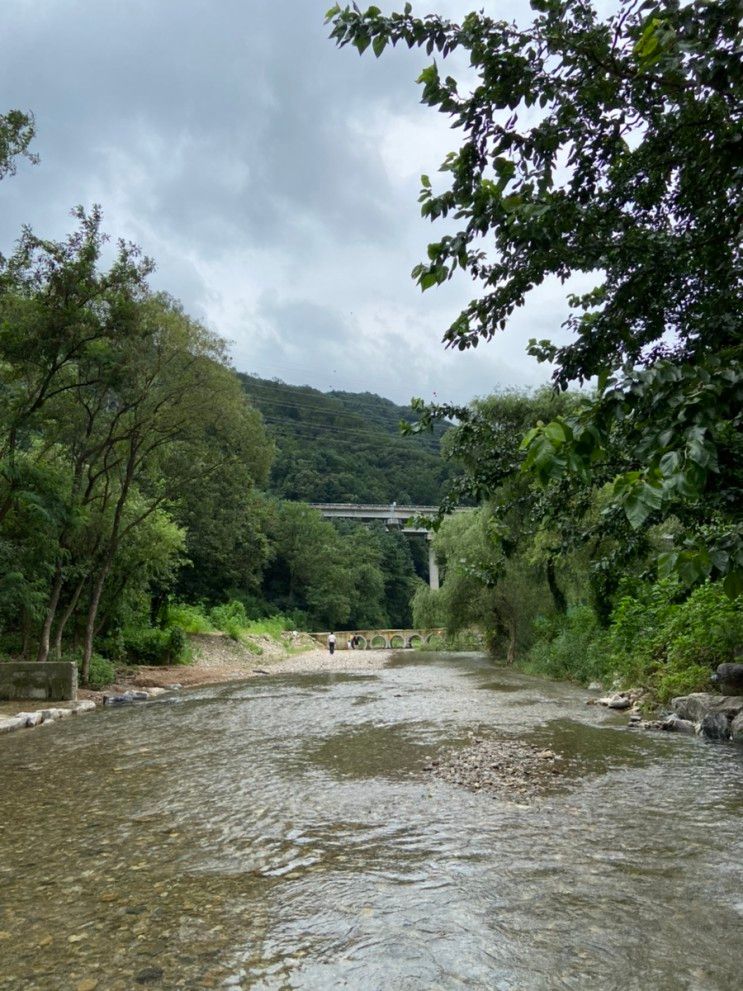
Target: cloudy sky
x=273 y=178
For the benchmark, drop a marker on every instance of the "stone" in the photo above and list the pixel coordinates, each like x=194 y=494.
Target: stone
x=32 y=718
x=736 y=728
x=595 y=686
x=126 y=698
x=88 y=984
x=729 y=677
x=617 y=701
x=149 y=975
x=11 y=723
x=715 y=726
x=49 y=715
x=85 y=705
x=156 y=691
x=700 y=704
x=675 y=724
x=694 y=707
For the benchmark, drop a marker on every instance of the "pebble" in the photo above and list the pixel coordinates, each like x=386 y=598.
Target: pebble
x=500 y=767
x=149 y=975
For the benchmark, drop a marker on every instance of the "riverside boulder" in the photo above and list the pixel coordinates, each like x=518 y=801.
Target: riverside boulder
x=714 y=715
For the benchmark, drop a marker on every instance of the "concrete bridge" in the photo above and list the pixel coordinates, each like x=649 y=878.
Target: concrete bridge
x=380 y=639
x=393 y=517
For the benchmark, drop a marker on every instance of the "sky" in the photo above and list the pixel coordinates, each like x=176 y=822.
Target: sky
x=273 y=177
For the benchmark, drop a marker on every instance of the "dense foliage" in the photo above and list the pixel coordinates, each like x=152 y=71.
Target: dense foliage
x=133 y=469
x=557 y=577
x=606 y=147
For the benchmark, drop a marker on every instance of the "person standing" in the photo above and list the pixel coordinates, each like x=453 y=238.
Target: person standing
x=331 y=643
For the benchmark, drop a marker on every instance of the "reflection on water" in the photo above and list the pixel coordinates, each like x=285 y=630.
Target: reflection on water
x=282 y=834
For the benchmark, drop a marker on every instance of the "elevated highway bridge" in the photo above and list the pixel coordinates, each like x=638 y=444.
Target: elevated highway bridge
x=404 y=518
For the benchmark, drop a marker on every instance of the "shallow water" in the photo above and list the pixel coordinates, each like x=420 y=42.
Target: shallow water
x=282 y=834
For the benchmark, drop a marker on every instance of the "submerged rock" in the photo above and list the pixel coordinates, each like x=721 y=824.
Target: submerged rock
x=126 y=698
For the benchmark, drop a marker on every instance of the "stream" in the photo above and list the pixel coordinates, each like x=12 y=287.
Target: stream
x=282 y=833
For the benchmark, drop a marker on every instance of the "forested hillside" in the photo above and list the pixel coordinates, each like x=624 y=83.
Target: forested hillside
x=346 y=447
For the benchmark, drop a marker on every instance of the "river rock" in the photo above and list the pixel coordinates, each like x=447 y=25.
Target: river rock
x=729 y=677
x=149 y=975
x=49 y=715
x=30 y=718
x=700 y=704
x=84 y=705
x=126 y=698
x=715 y=726
x=617 y=701
x=736 y=728
x=674 y=724
x=10 y=723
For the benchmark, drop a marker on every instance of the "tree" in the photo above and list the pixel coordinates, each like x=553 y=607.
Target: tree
x=17 y=131
x=114 y=403
x=610 y=148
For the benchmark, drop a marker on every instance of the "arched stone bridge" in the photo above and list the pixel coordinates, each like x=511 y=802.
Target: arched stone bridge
x=380 y=639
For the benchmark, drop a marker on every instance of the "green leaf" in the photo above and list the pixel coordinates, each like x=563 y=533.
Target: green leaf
x=733 y=584
x=378 y=45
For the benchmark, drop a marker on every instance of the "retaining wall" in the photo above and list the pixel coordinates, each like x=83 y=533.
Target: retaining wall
x=52 y=681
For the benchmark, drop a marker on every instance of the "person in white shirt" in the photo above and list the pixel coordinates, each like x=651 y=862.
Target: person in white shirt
x=331 y=642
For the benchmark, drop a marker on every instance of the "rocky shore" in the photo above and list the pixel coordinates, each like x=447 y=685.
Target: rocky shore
x=711 y=716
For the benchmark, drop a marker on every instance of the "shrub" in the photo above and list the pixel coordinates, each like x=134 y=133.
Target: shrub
x=191 y=619
x=229 y=617
x=571 y=645
x=101 y=672
x=157 y=647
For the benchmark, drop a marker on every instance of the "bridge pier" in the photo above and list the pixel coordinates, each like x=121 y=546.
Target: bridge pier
x=433 y=564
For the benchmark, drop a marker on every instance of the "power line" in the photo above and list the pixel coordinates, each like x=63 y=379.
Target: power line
x=327 y=428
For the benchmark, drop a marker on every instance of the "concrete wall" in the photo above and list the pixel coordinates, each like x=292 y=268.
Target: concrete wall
x=53 y=681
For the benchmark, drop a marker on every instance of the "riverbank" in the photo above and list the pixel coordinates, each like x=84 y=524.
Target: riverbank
x=218 y=661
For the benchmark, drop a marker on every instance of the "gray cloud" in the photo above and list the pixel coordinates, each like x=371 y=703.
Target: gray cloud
x=271 y=176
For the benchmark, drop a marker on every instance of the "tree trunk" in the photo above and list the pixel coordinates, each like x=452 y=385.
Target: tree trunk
x=95 y=600
x=558 y=596
x=43 y=652
x=57 y=649
x=26 y=642
x=511 y=652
